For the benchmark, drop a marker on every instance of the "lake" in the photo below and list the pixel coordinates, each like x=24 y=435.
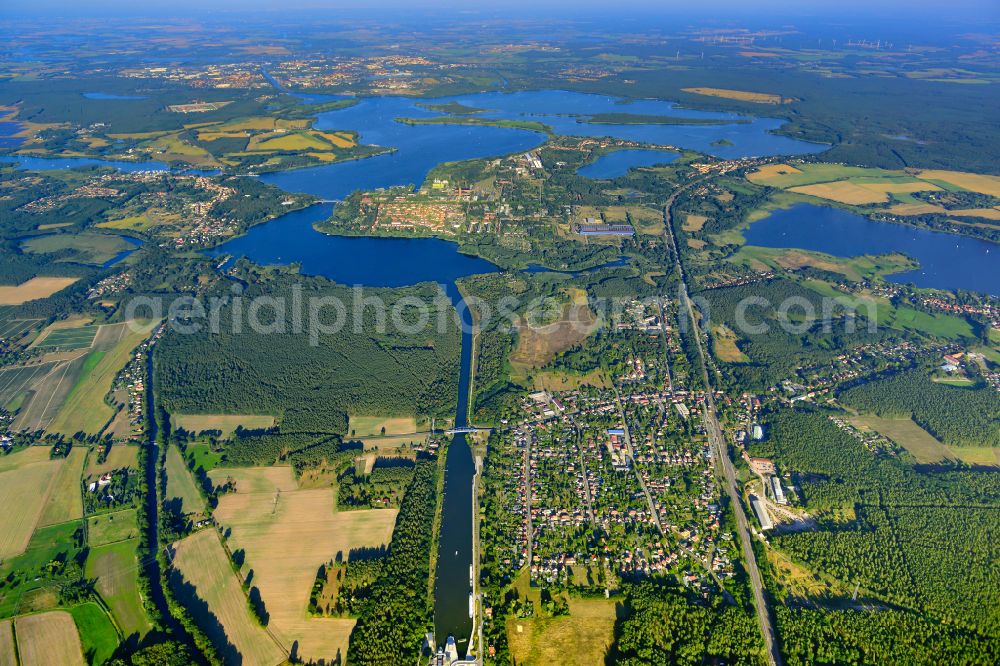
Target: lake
x=110 y=96
x=352 y=260
x=8 y=132
x=947 y=261
x=617 y=163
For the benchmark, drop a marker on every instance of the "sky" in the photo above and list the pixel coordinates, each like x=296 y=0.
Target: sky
x=984 y=8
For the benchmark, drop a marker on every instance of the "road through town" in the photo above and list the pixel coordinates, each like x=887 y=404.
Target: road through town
x=718 y=443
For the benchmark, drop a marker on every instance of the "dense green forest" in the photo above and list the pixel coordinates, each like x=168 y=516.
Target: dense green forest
x=662 y=625
x=961 y=416
x=926 y=541
x=311 y=387
x=394 y=617
x=885 y=636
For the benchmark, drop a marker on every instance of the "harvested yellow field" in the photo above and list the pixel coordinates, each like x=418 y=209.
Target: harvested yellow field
x=985 y=213
x=362 y=426
x=696 y=243
x=287 y=142
x=48 y=638
x=694 y=222
x=928 y=209
x=8 y=654
x=38 y=287
x=769 y=172
x=268 y=518
x=227 y=423
x=741 y=95
x=581 y=639
x=339 y=139
x=66 y=498
x=26 y=480
x=253 y=480
x=202 y=562
x=842 y=191
x=973 y=182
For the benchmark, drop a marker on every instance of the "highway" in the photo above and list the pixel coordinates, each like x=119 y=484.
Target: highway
x=718 y=442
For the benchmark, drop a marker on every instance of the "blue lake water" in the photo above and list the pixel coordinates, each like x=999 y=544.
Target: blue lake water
x=8 y=128
x=617 y=163
x=947 y=261
x=563 y=111
x=51 y=163
x=361 y=260
x=110 y=96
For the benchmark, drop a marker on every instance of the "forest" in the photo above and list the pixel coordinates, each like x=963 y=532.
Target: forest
x=663 y=625
x=396 y=613
x=957 y=415
x=311 y=387
x=876 y=516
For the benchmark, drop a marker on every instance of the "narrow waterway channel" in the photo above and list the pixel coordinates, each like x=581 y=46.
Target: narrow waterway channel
x=453 y=577
x=150 y=563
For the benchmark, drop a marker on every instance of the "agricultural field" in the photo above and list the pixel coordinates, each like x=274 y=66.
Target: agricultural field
x=35 y=288
x=120 y=455
x=97 y=632
x=84 y=248
x=581 y=639
x=740 y=95
x=268 y=511
x=181 y=484
x=15 y=381
x=115 y=568
x=862 y=186
x=364 y=426
x=65 y=501
x=202 y=563
x=48 y=638
x=106 y=528
x=907 y=434
x=40 y=401
x=539 y=344
x=85 y=408
x=226 y=423
x=8 y=652
x=13 y=328
x=67 y=338
x=26 y=480
x=224 y=144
